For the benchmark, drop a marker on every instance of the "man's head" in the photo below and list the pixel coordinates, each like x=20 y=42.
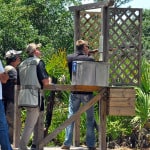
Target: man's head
x=33 y=49
x=82 y=46
x=12 y=56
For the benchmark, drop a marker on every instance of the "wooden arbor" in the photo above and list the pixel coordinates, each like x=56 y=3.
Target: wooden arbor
x=117 y=34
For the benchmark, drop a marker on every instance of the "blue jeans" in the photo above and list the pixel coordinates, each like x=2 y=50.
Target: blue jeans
x=4 y=136
x=74 y=103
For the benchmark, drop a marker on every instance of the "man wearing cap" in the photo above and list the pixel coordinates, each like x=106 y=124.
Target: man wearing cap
x=12 y=61
x=33 y=76
x=76 y=98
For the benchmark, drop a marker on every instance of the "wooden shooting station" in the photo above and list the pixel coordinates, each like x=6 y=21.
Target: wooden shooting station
x=116 y=32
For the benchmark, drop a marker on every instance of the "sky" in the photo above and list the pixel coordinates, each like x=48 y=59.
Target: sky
x=144 y=4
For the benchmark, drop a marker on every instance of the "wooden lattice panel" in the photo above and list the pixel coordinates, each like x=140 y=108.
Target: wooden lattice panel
x=90 y=24
x=124 y=45
x=123 y=39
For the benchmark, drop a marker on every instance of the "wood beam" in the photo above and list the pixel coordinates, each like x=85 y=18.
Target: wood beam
x=92 y=5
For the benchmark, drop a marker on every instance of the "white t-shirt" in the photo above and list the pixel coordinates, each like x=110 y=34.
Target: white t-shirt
x=1 y=70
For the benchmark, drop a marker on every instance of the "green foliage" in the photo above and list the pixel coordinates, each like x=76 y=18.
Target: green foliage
x=142 y=109
x=146 y=33
x=59 y=115
x=117 y=3
x=42 y=21
x=118 y=126
x=53 y=20
x=57 y=65
x=143 y=97
x=16 y=30
x=145 y=76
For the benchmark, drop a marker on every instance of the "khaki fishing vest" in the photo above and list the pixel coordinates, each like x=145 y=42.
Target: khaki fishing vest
x=29 y=93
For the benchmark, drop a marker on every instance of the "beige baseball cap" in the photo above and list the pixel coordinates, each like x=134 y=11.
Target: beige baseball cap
x=32 y=47
x=81 y=42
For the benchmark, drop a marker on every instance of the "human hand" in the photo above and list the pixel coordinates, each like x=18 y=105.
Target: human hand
x=93 y=51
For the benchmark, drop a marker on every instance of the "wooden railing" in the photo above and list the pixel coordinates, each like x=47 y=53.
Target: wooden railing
x=110 y=99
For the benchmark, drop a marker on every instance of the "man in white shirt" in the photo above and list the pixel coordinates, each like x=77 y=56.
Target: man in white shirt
x=12 y=61
x=4 y=140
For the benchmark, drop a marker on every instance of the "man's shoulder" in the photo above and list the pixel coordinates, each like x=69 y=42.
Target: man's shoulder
x=9 y=68
x=71 y=56
x=31 y=60
x=80 y=57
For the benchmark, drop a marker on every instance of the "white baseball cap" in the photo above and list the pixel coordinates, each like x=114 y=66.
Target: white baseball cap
x=11 y=53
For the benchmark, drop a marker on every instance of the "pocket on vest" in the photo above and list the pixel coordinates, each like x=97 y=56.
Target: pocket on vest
x=28 y=97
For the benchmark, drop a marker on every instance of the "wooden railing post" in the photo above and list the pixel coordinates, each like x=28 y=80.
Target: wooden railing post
x=102 y=115
x=39 y=135
x=17 y=119
x=76 y=135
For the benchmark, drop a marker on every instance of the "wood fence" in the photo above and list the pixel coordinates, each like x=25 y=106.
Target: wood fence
x=112 y=101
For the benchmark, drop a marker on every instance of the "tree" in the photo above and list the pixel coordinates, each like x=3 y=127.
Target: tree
x=146 y=33
x=117 y=3
x=53 y=20
x=15 y=29
x=44 y=21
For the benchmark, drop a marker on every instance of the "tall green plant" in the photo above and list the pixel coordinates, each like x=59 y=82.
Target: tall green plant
x=145 y=76
x=143 y=101
x=57 y=65
x=143 y=96
x=142 y=108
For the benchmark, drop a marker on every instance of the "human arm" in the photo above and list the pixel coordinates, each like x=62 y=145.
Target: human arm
x=12 y=76
x=93 y=51
x=4 y=77
x=47 y=81
x=42 y=74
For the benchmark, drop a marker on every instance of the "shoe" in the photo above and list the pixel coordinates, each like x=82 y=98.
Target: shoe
x=65 y=147
x=33 y=147
x=91 y=148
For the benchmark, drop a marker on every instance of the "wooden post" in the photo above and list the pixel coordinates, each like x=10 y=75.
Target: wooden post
x=104 y=34
x=102 y=131
x=17 y=120
x=76 y=27
x=39 y=135
x=69 y=120
x=76 y=135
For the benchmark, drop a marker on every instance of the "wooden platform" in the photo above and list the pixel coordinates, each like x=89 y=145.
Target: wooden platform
x=112 y=101
x=59 y=148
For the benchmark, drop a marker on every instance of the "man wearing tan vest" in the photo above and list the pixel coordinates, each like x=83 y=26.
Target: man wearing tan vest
x=33 y=76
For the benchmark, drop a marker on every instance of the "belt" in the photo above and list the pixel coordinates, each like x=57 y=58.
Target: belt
x=33 y=87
